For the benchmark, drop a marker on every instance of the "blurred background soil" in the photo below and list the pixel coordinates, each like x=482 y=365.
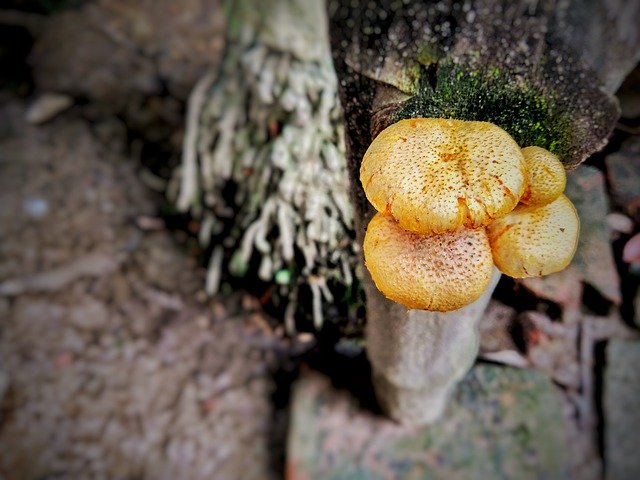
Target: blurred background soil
x=111 y=367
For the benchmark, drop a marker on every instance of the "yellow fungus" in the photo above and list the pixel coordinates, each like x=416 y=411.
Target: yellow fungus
x=438 y=272
x=434 y=175
x=546 y=177
x=532 y=241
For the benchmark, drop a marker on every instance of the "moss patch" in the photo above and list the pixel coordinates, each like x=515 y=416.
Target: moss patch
x=525 y=111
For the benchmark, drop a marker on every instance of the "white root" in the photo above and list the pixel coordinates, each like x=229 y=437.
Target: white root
x=269 y=124
x=189 y=186
x=214 y=271
x=316 y=302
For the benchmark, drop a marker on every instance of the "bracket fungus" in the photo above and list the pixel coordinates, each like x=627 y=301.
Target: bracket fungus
x=438 y=272
x=546 y=178
x=440 y=186
x=453 y=198
x=533 y=241
x=434 y=175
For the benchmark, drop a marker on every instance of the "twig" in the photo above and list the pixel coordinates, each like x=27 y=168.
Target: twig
x=627 y=129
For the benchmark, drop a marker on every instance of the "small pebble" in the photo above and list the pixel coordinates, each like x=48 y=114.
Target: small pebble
x=348 y=348
x=36 y=207
x=305 y=337
x=619 y=223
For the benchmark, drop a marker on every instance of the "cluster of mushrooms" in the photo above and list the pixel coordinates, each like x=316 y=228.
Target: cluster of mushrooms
x=455 y=197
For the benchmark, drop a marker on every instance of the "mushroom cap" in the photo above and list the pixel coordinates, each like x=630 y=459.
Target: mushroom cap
x=532 y=241
x=546 y=177
x=435 y=174
x=439 y=272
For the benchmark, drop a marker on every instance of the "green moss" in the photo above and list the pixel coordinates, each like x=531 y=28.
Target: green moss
x=526 y=112
x=428 y=55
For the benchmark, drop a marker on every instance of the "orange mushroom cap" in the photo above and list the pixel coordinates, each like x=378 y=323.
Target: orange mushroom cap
x=435 y=175
x=532 y=241
x=546 y=177
x=439 y=272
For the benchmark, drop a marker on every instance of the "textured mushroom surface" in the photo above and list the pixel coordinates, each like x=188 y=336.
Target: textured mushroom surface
x=438 y=272
x=435 y=175
x=532 y=241
x=546 y=177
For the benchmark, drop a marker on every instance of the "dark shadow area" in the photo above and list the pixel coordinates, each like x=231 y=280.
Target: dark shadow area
x=618 y=137
x=629 y=282
x=511 y=293
x=348 y=370
x=599 y=369
x=15 y=74
x=594 y=301
x=287 y=372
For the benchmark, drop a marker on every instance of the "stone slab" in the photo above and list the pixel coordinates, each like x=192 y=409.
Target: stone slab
x=622 y=410
x=501 y=423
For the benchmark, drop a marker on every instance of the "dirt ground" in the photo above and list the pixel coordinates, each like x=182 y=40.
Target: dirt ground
x=112 y=363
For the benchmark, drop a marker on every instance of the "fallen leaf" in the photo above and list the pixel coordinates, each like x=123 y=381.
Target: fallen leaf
x=620 y=223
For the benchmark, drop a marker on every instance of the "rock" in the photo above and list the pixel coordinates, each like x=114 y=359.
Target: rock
x=621 y=412
x=35 y=207
x=552 y=348
x=89 y=315
x=594 y=257
x=623 y=170
x=501 y=423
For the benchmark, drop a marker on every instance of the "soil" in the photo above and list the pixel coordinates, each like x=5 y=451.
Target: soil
x=113 y=363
